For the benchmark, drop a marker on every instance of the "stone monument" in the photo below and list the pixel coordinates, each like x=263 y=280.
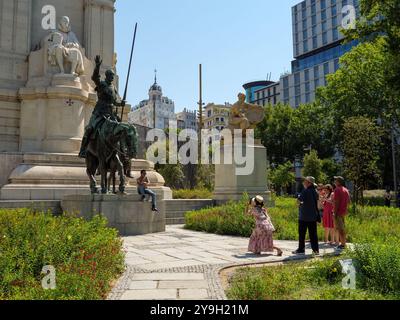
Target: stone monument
x=229 y=185
x=47 y=97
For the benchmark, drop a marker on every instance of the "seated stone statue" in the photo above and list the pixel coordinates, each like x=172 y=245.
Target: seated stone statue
x=65 y=47
x=244 y=115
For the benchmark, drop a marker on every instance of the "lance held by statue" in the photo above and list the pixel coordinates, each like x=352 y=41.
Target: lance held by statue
x=108 y=144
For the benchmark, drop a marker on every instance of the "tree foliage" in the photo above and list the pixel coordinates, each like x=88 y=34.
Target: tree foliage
x=313 y=167
x=282 y=177
x=358 y=88
x=380 y=19
x=287 y=132
x=361 y=153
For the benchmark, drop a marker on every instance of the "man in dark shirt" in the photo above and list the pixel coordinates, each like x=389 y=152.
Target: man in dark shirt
x=308 y=216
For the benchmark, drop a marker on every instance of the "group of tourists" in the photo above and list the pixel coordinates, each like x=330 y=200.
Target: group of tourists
x=324 y=204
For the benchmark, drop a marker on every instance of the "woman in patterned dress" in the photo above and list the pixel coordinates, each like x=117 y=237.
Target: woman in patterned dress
x=262 y=238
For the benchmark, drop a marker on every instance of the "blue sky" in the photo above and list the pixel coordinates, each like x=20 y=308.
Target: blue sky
x=236 y=41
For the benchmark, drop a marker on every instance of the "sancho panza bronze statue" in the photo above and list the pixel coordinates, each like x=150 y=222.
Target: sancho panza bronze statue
x=108 y=144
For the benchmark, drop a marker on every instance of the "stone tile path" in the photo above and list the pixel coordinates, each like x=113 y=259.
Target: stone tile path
x=183 y=264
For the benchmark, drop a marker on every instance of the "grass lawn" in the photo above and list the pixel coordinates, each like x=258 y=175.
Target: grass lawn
x=315 y=280
x=375 y=231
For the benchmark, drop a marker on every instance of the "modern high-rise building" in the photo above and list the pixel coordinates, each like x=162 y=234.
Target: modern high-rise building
x=262 y=92
x=317 y=46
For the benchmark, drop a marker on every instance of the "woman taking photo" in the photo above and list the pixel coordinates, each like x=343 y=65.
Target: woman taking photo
x=262 y=238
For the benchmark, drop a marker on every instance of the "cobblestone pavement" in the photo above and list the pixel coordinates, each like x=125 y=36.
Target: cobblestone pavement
x=184 y=264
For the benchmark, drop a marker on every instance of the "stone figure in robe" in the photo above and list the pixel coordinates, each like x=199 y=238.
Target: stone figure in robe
x=64 y=47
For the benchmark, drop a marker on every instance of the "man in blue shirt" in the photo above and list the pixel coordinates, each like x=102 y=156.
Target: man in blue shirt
x=309 y=216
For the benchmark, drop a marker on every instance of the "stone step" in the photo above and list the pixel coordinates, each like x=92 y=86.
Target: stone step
x=175 y=215
x=173 y=221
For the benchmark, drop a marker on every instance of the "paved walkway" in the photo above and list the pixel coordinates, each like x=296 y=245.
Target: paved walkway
x=183 y=264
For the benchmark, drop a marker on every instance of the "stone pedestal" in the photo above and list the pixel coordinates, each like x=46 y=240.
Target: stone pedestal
x=50 y=176
x=127 y=214
x=231 y=186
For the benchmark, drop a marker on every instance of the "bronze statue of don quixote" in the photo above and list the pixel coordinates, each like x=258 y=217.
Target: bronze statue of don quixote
x=108 y=144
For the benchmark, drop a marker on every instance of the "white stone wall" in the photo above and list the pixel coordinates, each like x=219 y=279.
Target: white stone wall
x=8 y=162
x=21 y=32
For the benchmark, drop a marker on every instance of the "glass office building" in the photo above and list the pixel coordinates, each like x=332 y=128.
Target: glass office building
x=317 y=46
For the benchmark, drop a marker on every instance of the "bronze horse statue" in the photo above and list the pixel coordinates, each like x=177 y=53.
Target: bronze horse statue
x=108 y=147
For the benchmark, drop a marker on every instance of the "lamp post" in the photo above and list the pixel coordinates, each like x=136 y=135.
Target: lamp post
x=201 y=104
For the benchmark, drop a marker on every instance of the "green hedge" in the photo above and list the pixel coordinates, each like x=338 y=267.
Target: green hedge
x=367 y=224
x=192 y=194
x=87 y=256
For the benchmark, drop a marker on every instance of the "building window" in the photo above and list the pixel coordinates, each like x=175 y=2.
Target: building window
x=325 y=38
x=315 y=42
x=297 y=78
x=314 y=20
x=286 y=94
x=323 y=4
x=335 y=34
x=304 y=24
x=324 y=26
x=305 y=45
x=337 y=64
x=334 y=10
x=313 y=8
x=323 y=15
x=314 y=30
x=334 y=22
x=286 y=82
x=297 y=102
x=308 y=98
x=326 y=68
x=316 y=84
x=307 y=87
x=297 y=90
x=316 y=72
x=307 y=75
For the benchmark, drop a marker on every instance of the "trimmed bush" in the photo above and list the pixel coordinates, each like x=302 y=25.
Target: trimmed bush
x=192 y=194
x=87 y=256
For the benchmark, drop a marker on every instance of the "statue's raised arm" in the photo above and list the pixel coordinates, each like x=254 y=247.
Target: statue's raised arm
x=96 y=73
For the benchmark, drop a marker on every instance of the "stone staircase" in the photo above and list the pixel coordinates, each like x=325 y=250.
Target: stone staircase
x=175 y=209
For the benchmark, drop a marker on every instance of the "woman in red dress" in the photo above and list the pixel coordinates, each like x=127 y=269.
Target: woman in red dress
x=262 y=238
x=328 y=220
